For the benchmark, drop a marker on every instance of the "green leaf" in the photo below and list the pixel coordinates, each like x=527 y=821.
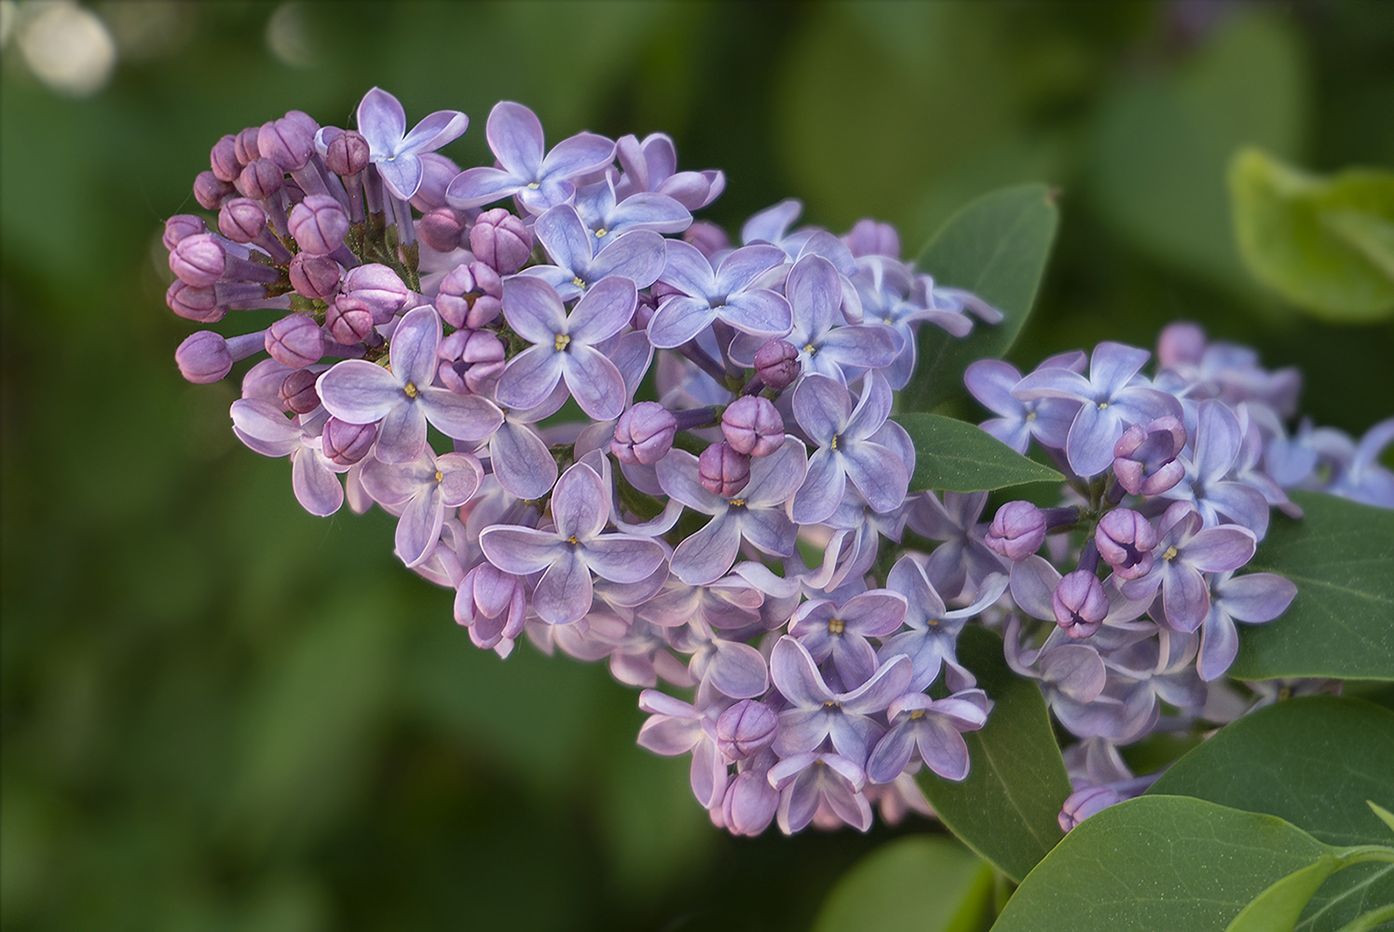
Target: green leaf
x=1327 y=245
x=1278 y=908
x=1322 y=758
x=1341 y=556
x=955 y=456
x=1006 y=809
x=917 y=884
x=1160 y=863
x=996 y=247
x=1384 y=814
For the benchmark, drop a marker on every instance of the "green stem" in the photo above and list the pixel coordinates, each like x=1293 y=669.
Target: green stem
x=1360 y=854
x=1370 y=920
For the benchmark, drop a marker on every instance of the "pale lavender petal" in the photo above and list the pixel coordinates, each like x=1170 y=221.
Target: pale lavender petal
x=769 y=530
x=1185 y=597
x=523 y=464
x=891 y=754
x=475 y=187
x=769 y=224
x=624 y=559
x=801 y=730
x=1258 y=597
x=392 y=484
x=889 y=682
x=580 y=504
x=418 y=529
x=742 y=267
x=381 y=118
x=565 y=237
x=413 y=350
x=822 y=490
x=707 y=554
x=1219 y=645
x=761 y=312
x=402 y=436
x=594 y=381
x=515 y=136
x=873 y=407
x=822 y=408
x=1033 y=583
x=435 y=130
x=1217 y=549
x=853 y=735
x=687 y=270
x=991 y=381
x=1076 y=670
x=358 y=391
x=1242 y=504
x=1112 y=365
x=738 y=670
x=708 y=775
x=460 y=417
x=678 y=475
x=796 y=676
x=578 y=155
x=774 y=478
x=1054 y=382
x=316 y=488
x=1217 y=441
x=943 y=748
x=533 y=309
x=263 y=427
x=603 y=311
x=878 y=474
x=637 y=255
x=460 y=476
x=565 y=592
x=814 y=290
x=678 y=320
x=1093 y=435
x=520 y=550
x=530 y=376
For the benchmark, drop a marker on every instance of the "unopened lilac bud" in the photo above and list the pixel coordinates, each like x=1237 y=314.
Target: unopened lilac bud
x=241 y=219
x=378 y=287
x=722 y=470
x=709 y=238
x=206 y=356
x=182 y=226
x=210 y=192
x=349 y=319
x=295 y=341
x=489 y=305
x=298 y=392
x=1084 y=803
x=750 y=803
x=752 y=425
x=261 y=179
x=456 y=295
x=315 y=277
x=346 y=443
x=501 y=241
x=199 y=260
x=1017 y=531
x=746 y=728
x=1145 y=458
x=300 y=118
x=1079 y=603
x=644 y=434
x=223 y=158
x=471 y=361
x=347 y=153
x=777 y=363
x=246 y=146
x=287 y=143
x=319 y=224
x=1180 y=344
x=192 y=302
x=1126 y=540
x=441 y=229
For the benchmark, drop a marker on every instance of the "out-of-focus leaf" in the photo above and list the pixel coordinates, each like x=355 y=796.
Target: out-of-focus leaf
x=1341 y=556
x=997 y=248
x=1313 y=761
x=917 y=884
x=1007 y=808
x=1327 y=245
x=1158 y=864
x=955 y=456
x=1163 y=141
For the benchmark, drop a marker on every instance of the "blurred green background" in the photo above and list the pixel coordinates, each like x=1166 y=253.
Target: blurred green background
x=221 y=713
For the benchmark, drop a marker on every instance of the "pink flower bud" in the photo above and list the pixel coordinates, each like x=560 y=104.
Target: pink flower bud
x=241 y=219
x=203 y=357
x=752 y=425
x=1126 y=540
x=315 y=277
x=298 y=393
x=501 y=241
x=1017 y=531
x=319 y=224
x=346 y=443
x=745 y=729
x=1079 y=603
x=347 y=154
x=210 y=191
x=722 y=470
x=192 y=302
x=223 y=158
x=349 y=319
x=261 y=179
x=644 y=434
x=441 y=229
x=198 y=260
x=777 y=363
x=295 y=341
x=182 y=226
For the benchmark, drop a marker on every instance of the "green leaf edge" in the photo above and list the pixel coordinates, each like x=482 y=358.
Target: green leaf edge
x=920 y=482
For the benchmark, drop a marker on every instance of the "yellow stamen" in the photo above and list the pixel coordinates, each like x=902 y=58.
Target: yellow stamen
x=601 y=232
x=1170 y=554
x=440 y=476
x=533 y=185
x=917 y=714
x=577 y=282
x=836 y=626
x=561 y=342
x=833 y=445
x=572 y=539
x=738 y=502
x=410 y=389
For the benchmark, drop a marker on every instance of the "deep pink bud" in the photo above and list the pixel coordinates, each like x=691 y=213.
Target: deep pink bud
x=1017 y=531
x=319 y=224
x=1079 y=603
x=210 y=192
x=501 y=241
x=441 y=229
x=644 y=434
x=722 y=470
x=489 y=305
x=752 y=425
x=777 y=363
x=192 y=302
x=1126 y=540
x=349 y=319
x=315 y=276
x=182 y=226
x=287 y=143
x=709 y=238
x=746 y=728
x=261 y=179
x=241 y=219
x=1144 y=458
x=246 y=146
x=223 y=158
x=348 y=153
x=302 y=119
x=199 y=260
x=295 y=341
x=378 y=287
x=298 y=392
x=346 y=443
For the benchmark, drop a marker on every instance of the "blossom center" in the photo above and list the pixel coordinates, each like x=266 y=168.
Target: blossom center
x=601 y=232
x=836 y=626
x=1102 y=405
x=533 y=185
x=833 y=445
x=561 y=342
x=737 y=503
x=811 y=350
x=916 y=715
x=411 y=389
x=578 y=282
x=1170 y=553
x=440 y=476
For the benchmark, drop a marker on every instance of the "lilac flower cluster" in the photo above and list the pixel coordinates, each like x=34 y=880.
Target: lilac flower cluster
x=607 y=427
x=1171 y=479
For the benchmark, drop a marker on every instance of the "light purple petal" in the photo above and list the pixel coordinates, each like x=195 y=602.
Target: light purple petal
x=316 y=488
x=943 y=748
x=530 y=376
x=1033 y=583
x=873 y=407
x=460 y=475
x=523 y=464
x=1219 y=645
x=594 y=382
x=623 y=558
x=577 y=155
x=580 y=504
x=1093 y=435
x=402 y=436
x=515 y=136
x=742 y=267
x=796 y=676
x=891 y=754
x=459 y=417
x=1185 y=597
x=565 y=592
x=1217 y=549
x=878 y=474
x=475 y=187
x=1217 y=441
x=263 y=427
x=707 y=554
x=1112 y=365
x=814 y=290
x=637 y=255
x=381 y=119
x=1257 y=597
x=769 y=530
x=435 y=130
x=738 y=671
x=413 y=350
x=678 y=320
x=761 y=312
x=822 y=490
x=358 y=391
x=418 y=528
x=603 y=311
x=566 y=239
x=533 y=309
x=822 y=408
x=520 y=550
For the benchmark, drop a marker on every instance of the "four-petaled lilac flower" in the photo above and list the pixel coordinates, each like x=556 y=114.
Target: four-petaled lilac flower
x=728 y=293
x=807 y=782
x=1253 y=598
x=404 y=397
x=1113 y=396
x=1048 y=420
x=423 y=489
x=934 y=728
x=932 y=638
x=574 y=548
x=396 y=152
x=840 y=632
x=638 y=255
x=564 y=347
x=540 y=182
x=262 y=426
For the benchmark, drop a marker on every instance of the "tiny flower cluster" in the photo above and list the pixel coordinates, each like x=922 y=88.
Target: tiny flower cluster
x=1171 y=482
x=464 y=349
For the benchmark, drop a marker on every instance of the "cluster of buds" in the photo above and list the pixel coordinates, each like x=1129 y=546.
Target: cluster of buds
x=608 y=428
x=1171 y=480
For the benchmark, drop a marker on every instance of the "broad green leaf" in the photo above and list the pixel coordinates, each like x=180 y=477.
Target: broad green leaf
x=1163 y=140
x=996 y=247
x=1313 y=761
x=1158 y=864
x=1384 y=814
x=955 y=456
x=918 y=884
x=1341 y=556
x=1278 y=908
x=1327 y=245
x=1006 y=809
